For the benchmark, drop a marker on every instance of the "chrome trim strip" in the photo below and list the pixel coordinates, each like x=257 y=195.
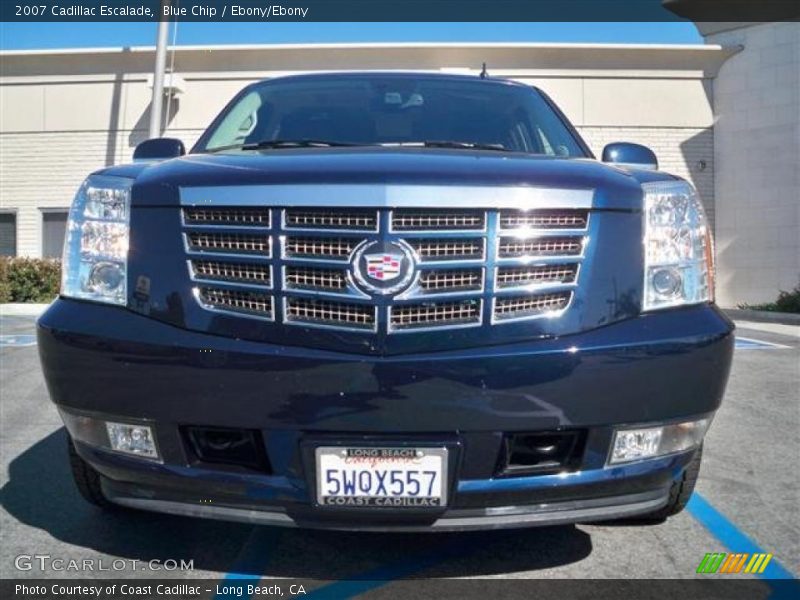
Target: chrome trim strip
x=210 y=253
x=417 y=292
x=186 y=225
x=254 y=286
x=436 y=261
x=526 y=259
x=460 y=232
x=211 y=308
x=387 y=196
x=535 y=287
x=283 y=238
x=290 y=229
x=524 y=234
x=288 y=321
x=510 y=231
x=501 y=517
x=445 y=326
x=351 y=291
x=551 y=314
x=625 y=165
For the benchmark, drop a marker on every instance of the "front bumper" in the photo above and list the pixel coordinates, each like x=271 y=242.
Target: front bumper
x=106 y=361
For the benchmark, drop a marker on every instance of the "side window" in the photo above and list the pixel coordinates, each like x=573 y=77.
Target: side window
x=54 y=225
x=8 y=234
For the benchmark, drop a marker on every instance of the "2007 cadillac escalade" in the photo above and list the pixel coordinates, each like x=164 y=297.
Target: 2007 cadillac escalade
x=387 y=301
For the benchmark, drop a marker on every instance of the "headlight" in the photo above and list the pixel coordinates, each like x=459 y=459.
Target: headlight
x=678 y=265
x=95 y=265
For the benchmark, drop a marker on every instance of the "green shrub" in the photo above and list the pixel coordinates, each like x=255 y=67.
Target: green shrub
x=787 y=302
x=5 y=286
x=29 y=279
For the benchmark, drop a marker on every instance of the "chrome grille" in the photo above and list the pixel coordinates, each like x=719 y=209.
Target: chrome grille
x=228 y=271
x=543 y=246
x=438 y=220
x=517 y=307
x=544 y=219
x=227 y=216
x=229 y=243
x=518 y=264
x=320 y=248
x=308 y=278
x=451 y=280
x=522 y=276
x=435 y=314
x=322 y=218
x=254 y=303
x=448 y=249
x=324 y=312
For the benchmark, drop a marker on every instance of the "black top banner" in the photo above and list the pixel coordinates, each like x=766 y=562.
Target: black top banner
x=398 y=10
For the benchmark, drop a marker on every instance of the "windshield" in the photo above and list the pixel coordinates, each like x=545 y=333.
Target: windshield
x=392 y=110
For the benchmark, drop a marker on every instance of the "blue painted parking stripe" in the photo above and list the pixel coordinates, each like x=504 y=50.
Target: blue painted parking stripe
x=731 y=536
x=743 y=343
x=252 y=560
x=17 y=341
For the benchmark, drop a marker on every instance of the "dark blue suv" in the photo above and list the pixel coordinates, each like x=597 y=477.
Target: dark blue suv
x=388 y=301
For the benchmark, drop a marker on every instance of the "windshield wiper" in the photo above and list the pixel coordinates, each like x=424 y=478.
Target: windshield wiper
x=304 y=143
x=457 y=145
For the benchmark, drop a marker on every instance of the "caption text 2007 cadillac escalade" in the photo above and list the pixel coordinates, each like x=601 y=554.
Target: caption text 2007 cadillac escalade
x=387 y=301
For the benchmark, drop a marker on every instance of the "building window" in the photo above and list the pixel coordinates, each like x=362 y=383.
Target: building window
x=54 y=225
x=8 y=234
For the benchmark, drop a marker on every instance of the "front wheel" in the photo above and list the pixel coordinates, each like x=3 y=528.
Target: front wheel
x=86 y=479
x=679 y=493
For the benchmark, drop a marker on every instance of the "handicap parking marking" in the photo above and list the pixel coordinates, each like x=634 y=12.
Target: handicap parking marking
x=735 y=540
x=743 y=343
x=17 y=341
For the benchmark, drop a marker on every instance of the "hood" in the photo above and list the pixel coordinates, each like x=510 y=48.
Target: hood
x=613 y=188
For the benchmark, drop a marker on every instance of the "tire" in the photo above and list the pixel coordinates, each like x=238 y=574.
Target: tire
x=87 y=480
x=679 y=493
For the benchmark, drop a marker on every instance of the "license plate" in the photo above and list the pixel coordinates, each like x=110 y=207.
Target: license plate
x=381 y=477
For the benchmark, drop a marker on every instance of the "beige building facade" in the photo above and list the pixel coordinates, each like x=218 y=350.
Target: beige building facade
x=64 y=114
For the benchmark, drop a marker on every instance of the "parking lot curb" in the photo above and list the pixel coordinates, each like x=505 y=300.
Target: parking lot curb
x=762 y=316
x=22 y=309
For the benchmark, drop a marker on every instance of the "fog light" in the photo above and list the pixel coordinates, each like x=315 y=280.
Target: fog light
x=635 y=444
x=650 y=442
x=132 y=439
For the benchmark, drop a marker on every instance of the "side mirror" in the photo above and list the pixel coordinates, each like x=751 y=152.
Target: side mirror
x=625 y=154
x=159 y=149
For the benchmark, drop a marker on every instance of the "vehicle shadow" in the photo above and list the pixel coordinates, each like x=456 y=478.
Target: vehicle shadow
x=40 y=494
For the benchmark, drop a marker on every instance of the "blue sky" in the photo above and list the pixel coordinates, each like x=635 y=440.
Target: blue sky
x=16 y=36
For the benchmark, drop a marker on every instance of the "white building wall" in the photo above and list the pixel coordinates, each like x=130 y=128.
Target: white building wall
x=757 y=159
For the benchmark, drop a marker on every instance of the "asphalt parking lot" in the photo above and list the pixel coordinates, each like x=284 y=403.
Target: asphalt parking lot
x=747 y=501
